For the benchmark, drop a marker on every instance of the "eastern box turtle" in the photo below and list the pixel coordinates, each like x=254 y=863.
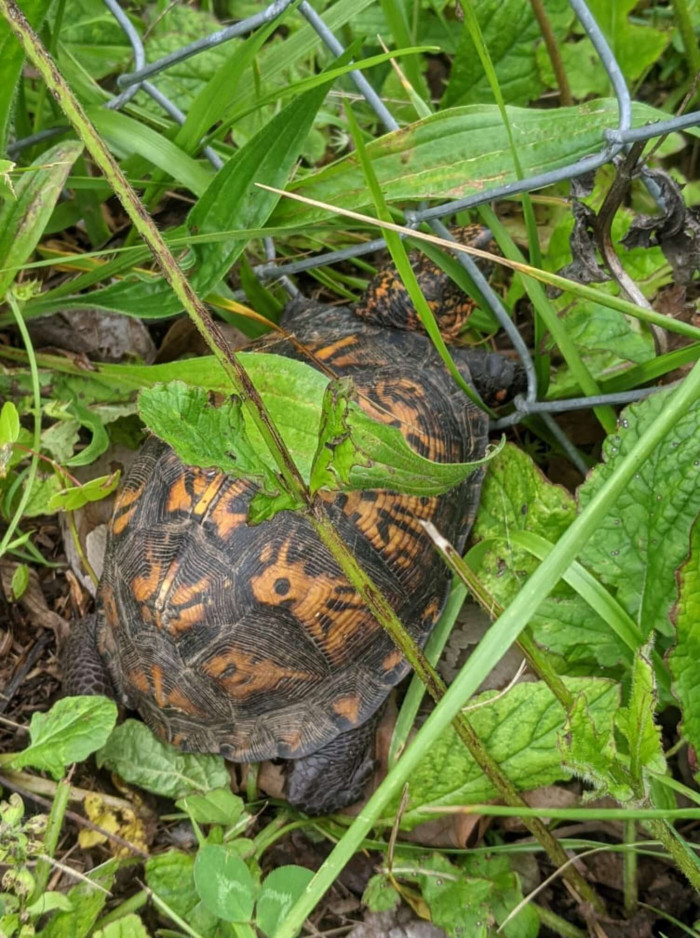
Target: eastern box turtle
x=248 y=640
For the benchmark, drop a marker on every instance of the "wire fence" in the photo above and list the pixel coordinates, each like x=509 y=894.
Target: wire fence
x=614 y=141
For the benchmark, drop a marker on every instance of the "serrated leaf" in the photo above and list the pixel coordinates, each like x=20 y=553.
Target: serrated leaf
x=43 y=490
x=219 y=806
x=72 y=729
x=128 y=926
x=637 y=724
x=471 y=897
x=589 y=751
x=519 y=729
x=202 y=433
x=78 y=495
x=640 y=544
x=134 y=753
x=353 y=452
x=685 y=658
x=380 y=894
x=517 y=497
x=224 y=883
x=87 y=900
x=22 y=222
x=170 y=876
x=278 y=893
x=511 y=35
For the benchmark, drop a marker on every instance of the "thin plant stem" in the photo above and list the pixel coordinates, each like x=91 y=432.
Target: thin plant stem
x=36 y=440
x=552 y=47
x=685 y=28
x=630 y=868
x=53 y=830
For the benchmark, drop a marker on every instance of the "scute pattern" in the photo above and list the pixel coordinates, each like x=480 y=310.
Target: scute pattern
x=249 y=641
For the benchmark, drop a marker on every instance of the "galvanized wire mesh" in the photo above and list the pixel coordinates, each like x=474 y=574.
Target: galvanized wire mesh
x=614 y=140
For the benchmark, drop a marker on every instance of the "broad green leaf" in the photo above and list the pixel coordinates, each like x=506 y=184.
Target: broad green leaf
x=22 y=221
x=470 y=897
x=43 y=490
x=636 y=722
x=128 y=926
x=87 y=900
x=134 y=753
x=640 y=544
x=78 y=495
x=520 y=730
x=511 y=35
x=635 y=46
x=72 y=729
x=278 y=893
x=92 y=36
x=219 y=806
x=202 y=433
x=589 y=751
x=517 y=497
x=172 y=29
x=11 y=60
x=48 y=902
x=380 y=894
x=170 y=876
x=685 y=658
x=457 y=152
x=231 y=201
x=353 y=452
x=20 y=581
x=224 y=883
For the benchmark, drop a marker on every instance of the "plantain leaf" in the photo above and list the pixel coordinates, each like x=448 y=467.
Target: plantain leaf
x=22 y=221
x=457 y=152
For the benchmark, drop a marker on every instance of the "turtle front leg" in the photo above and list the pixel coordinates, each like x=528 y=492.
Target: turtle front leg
x=82 y=668
x=335 y=775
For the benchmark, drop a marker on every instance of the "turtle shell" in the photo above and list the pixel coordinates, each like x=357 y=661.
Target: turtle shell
x=248 y=640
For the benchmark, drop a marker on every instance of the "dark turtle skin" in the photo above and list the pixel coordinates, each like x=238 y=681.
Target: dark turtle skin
x=248 y=640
